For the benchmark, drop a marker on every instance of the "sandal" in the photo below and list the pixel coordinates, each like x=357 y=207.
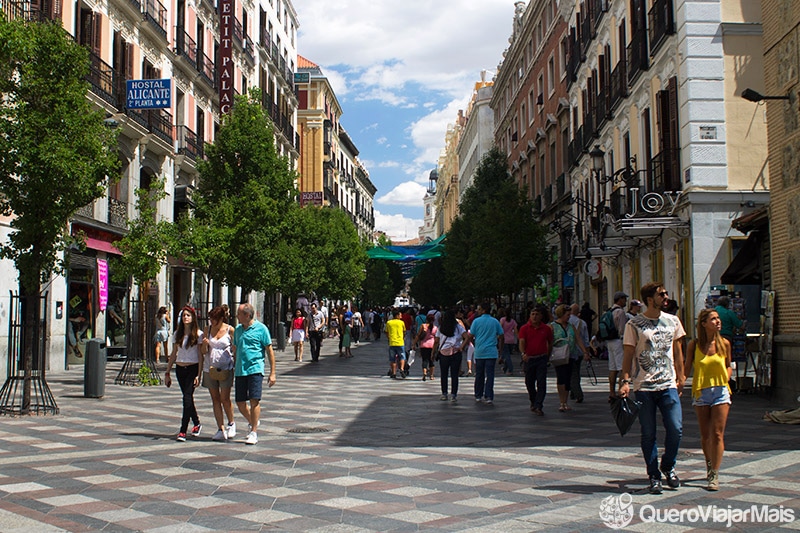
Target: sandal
x=562 y=408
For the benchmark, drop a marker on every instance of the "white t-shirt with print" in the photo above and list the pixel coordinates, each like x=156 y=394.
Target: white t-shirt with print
x=653 y=365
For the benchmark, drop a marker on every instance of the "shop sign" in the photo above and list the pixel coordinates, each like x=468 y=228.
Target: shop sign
x=225 y=66
x=148 y=94
x=652 y=203
x=102 y=284
x=311 y=198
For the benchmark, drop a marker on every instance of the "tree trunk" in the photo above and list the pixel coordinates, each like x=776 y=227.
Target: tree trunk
x=30 y=323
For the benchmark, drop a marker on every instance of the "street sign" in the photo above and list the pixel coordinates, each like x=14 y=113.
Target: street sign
x=148 y=94
x=302 y=77
x=311 y=198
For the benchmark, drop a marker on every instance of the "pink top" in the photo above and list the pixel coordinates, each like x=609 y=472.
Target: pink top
x=430 y=336
x=509 y=330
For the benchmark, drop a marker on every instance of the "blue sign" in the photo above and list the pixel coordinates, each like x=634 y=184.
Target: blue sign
x=148 y=94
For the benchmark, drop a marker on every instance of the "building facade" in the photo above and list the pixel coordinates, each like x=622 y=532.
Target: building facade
x=664 y=152
x=153 y=40
x=477 y=137
x=447 y=191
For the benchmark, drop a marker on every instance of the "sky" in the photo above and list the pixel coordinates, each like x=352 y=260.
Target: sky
x=401 y=70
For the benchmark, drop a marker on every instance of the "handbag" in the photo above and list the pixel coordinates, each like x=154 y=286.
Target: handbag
x=219 y=375
x=560 y=355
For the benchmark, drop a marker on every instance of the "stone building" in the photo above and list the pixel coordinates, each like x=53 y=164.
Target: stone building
x=477 y=136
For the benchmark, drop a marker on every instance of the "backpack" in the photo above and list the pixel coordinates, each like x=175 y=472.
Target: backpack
x=608 y=330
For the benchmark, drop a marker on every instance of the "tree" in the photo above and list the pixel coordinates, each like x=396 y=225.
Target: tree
x=56 y=156
x=495 y=246
x=383 y=281
x=245 y=201
x=431 y=285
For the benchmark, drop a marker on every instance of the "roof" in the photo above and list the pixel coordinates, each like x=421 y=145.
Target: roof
x=302 y=62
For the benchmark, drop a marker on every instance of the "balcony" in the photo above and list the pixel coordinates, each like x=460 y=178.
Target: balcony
x=157 y=121
x=240 y=37
x=619 y=85
x=574 y=150
x=117 y=213
x=86 y=210
x=664 y=172
x=26 y=10
x=266 y=40
x=561 y=186
x=185 y=46
x=638 y=59
x=206 y=68
x=156 y=14
x=661 y=23
x=589 y=130
x=588 y=31
x=104 y=81
x=597 y=9
x=537 y=203
x=573 y=61
x=188 y=143
x=547 y=201
x=601 y=108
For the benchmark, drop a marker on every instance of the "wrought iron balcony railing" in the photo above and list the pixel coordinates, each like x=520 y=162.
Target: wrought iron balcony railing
x=117 y=213
x=638 y=59
x=188 y=143
x=156 y=14
x=618 y=84
x=664 y=171
x=661 y=22
x=186 y=47
x=104 y=81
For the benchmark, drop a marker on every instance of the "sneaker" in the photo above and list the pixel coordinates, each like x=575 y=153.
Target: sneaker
x=251 y=438
x=713 y=480
x=402 y=375
x=443 y=397
x=487 y=401
x=181 y=437
x=477 y=399
x=230 y=431
x=453 y=399
x=393 y=376
x=424 y=377
x=220 y=435
x=655 y=486
x=196 y=430
x=672 y=479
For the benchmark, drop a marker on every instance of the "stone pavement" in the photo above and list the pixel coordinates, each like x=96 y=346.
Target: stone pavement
x=343 y=448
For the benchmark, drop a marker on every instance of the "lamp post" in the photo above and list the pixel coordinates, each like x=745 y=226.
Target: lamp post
x=754 y=96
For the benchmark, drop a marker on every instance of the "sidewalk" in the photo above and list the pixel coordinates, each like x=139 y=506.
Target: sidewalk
x=344 y=448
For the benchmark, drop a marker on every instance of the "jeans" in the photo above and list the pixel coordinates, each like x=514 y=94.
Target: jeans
x=669 y=403
x=536 y=379
x=484 y=378
x=315 y=339
x=185 y=376
x=355 y=334
x=507 y=357
x=451 y=364
x=575 y=379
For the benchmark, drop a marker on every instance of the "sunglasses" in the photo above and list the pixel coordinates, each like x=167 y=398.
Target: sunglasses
x=663 y=293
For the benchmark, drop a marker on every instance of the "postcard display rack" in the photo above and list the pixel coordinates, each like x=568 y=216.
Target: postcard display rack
x=743 y=349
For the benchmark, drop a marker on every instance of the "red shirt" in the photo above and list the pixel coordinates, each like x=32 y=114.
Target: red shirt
x=408 y=321
x=536 y=338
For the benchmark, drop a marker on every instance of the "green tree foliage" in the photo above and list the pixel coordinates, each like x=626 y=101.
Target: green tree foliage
x=495 y=246
x=144 y=248
x=56 y=155
x=383 y=281
x=245 y=203
x=431 y=285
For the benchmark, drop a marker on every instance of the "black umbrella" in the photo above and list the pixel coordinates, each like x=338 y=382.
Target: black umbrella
x=625 y=412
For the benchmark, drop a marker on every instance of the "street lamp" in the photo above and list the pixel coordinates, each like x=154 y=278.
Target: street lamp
x=598 y=160
x=755 y=96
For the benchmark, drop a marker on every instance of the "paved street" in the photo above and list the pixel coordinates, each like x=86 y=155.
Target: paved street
x=343 y=448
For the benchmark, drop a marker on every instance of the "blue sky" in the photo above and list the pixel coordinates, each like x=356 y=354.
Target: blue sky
x=401 y=71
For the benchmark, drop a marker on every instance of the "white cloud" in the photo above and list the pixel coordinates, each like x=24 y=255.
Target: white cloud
x=338 y=82
x=428 y=132
x=408 y=193
x=388 y=164
x=397 y=227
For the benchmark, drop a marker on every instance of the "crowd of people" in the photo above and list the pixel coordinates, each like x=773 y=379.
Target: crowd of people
x=644 y=346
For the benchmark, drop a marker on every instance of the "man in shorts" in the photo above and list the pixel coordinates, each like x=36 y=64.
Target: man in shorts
x=250 y=339
x=395 y=332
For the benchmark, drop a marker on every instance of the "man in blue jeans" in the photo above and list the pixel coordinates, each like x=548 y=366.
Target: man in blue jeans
x=486 y=334
x=653 y=364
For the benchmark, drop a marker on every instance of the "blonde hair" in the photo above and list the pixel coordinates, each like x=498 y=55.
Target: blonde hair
x=702 y=335
x=561 y=310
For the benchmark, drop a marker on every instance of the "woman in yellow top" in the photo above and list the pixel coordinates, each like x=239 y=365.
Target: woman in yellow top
x=710 y=356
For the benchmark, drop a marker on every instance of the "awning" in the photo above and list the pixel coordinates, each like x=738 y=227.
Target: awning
x=421 y=252
x=744 y=269
x=101 y=245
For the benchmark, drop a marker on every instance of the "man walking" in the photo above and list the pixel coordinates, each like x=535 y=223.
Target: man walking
x=577 y=355
x=614 y=342
x=535 y=344
x=486 y=334
x=250 y=339
x=653 y=365
x=316 y=328
x=395 y=332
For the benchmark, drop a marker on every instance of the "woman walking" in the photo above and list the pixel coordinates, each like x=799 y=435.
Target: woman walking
x=447 y=345
x=188 y=362
x=218 y=370
x=510 y=331
x=162 y=333
x=299 y=333
x=710 y=357
x=425 y=341
x=564 y=332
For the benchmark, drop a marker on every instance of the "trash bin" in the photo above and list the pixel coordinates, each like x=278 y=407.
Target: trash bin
x=281 y=336
x=94 y=369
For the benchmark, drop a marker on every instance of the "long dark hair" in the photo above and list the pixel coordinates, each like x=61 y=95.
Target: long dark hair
x=447 y=325
x=193 y=331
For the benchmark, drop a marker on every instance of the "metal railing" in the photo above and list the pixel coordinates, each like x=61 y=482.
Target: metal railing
x=103 y=80
x=561 y=186
x=597 y=9
x=185 y=46
x=26 y=10
x=661 y=22
x=588 y=31
x=547 y=200
x=601 y=108
x=638 y=59
x=117 y=213
x=618 y=84
x=188 y=143
x=206 y=67
x=664 y=171
x=156 y=13
x=589 y=129
x=157 y=121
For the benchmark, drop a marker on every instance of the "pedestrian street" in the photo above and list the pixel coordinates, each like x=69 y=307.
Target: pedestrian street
x=344 y=448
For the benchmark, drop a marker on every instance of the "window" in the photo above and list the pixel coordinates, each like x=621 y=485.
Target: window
x=523 y=116
x=553 y=159
x=540 y=95
x=531 y=104
x=564 y=54
x=551 y=76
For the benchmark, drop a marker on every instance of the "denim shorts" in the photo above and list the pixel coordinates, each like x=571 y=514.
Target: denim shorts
x=712 y=396
x=249 y=387
x=397 y=353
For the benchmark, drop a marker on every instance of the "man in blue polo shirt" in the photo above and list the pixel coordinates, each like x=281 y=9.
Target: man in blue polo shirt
x=250 y=339
x=486 y=334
